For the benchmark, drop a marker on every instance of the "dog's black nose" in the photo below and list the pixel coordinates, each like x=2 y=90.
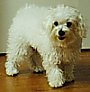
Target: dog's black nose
x=61 y=33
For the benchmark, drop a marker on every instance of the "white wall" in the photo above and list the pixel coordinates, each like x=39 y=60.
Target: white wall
x=84 y=7
x=8 y=10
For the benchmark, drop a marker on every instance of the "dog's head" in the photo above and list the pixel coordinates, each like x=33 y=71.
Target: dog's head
x=65 y=25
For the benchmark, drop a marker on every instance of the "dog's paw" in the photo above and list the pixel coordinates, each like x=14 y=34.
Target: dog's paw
x=56 y=84
x=12 y=72
x=56 y=78
x=38 y=69
x=11 y=69
x=70 y=78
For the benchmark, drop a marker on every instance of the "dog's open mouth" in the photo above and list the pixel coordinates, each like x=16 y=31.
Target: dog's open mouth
x=61 y=37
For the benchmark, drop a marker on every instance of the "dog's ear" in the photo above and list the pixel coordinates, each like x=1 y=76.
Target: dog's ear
x=82 y=27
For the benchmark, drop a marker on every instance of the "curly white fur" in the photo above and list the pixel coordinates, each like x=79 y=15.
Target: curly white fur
x=34 y=37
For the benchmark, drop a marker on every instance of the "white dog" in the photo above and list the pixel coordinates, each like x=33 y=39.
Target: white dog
x=49 y=39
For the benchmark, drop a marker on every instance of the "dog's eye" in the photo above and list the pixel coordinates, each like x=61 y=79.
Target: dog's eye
x=56 y=23
x=69 y=24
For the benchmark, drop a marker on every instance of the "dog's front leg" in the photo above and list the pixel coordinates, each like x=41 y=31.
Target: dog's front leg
x=54 y=73
x=55 y=76
x=68 y=72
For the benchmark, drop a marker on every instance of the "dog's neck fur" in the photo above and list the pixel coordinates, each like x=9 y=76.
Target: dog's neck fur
x=66 y=53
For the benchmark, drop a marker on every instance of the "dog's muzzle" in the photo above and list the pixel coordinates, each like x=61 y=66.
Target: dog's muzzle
x=61 y=34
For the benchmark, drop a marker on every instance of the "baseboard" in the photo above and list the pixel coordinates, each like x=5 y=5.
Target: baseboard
x=86 y=50
x=3 y=54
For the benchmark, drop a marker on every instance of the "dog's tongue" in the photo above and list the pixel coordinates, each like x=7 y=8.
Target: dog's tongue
x=61 y=38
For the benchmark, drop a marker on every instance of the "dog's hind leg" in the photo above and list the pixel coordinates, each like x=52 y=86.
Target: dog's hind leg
x=16 y=52
x=38 y=61
x=35 y=61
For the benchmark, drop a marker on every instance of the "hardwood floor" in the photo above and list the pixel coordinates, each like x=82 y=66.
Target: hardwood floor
x=29 y=82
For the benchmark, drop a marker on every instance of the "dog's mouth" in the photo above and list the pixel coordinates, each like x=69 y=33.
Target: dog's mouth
x=61 y=37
